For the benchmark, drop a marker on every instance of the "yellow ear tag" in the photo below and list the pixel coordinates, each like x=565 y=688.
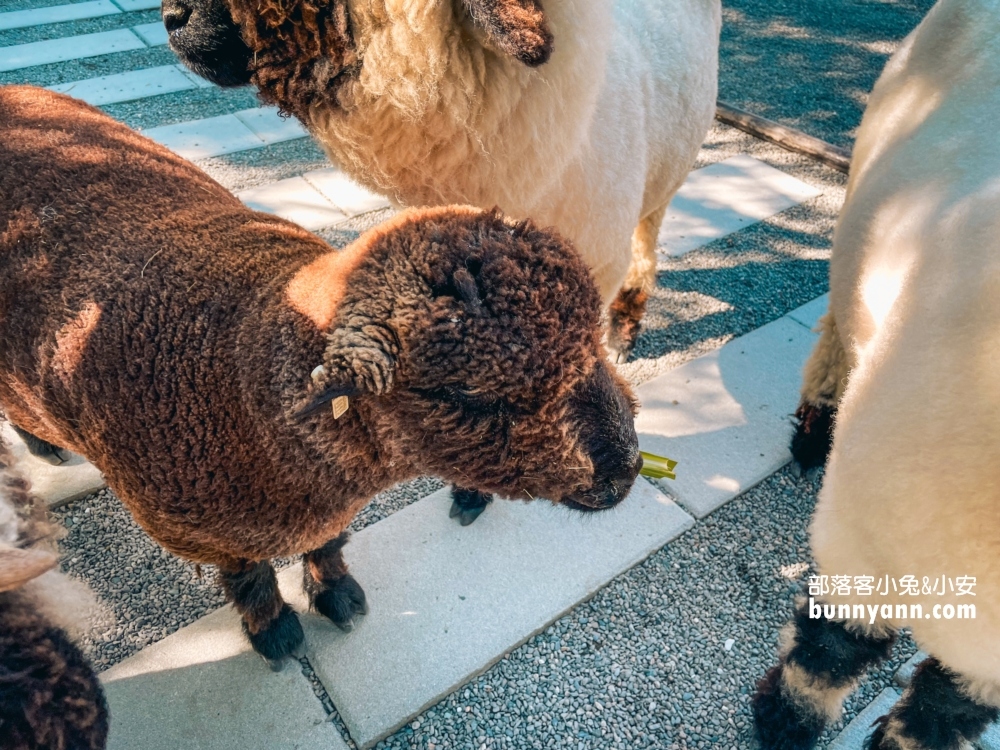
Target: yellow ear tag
x=340 y=405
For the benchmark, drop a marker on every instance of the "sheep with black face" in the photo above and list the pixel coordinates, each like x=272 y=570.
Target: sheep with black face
x=191 y=348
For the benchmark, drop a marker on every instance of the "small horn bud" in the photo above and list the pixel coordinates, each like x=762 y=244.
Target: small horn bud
x=318 y=372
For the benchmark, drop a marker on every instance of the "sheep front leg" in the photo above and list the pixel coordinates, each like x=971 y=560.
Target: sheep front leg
x=467 y=505
x=41 y=448
x=332 y=591
x=935 y=713
x=271 y=626
x=627 y=311
x=821 y=661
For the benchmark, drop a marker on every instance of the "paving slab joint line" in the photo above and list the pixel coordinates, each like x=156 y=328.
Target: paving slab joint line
x=323 y=696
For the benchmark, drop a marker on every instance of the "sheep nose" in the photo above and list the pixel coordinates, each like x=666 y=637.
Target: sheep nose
x=175 y=16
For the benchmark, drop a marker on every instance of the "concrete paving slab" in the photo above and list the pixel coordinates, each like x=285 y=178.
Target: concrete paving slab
x=269 y=127
x=296 y=200
x=905 y=672
x=55 y=485
x=810 y=313
x=200 y=139
x=203 y=688
x=854 y=734
x=50 y=51
x=725 y=415
x=125 y=87
x=344 y=192
x=20 y=19
x=153 y=34
x=726 y=197
x=130 y=5
x=446 y=602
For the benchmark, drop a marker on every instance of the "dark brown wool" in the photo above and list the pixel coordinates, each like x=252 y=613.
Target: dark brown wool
x=154 y=324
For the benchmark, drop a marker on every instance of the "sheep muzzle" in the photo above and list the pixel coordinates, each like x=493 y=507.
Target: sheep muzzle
x=205 y=38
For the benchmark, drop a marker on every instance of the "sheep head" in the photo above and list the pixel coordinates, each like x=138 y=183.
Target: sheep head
x=478 y=342
x=300 y=52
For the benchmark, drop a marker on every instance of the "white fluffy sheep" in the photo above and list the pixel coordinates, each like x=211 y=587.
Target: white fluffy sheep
x=436 y=102
x=49 y=694
x=911 y=487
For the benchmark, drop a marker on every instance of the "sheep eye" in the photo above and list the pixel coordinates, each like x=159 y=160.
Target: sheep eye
x=472 y=396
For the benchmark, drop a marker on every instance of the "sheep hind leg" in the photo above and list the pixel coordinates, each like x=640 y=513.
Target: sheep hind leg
x=269 y=623
x=627 y=311
x=467 y=505
x=42 y=448
x=823 y=382
x=933 y=714
x=820 y=663
x=332 y=591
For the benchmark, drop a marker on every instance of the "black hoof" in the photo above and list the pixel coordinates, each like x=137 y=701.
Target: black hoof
x=465 y=516
x=468 y=505
x=341 y=601
x=812 y=439
x=279 y=639
x=780 y=723
x=42 y=449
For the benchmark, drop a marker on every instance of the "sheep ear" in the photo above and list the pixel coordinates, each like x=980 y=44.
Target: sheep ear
x=518 y=27
x=18 y=566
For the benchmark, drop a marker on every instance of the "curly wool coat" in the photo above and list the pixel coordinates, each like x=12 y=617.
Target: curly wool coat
x=159 y=327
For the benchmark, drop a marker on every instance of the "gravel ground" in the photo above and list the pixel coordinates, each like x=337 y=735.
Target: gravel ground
x=91 y=67
x=182 y=106
x=29 y=4
x=76 y=28
x=810 y=63
x=642 y=664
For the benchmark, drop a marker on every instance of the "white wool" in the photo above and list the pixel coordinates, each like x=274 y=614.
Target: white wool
x=592 y=142
x=912 y=485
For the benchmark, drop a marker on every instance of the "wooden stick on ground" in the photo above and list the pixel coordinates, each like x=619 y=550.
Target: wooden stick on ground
x=788 y=138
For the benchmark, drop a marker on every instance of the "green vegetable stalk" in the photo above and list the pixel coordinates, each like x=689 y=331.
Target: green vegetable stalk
x=657 y=467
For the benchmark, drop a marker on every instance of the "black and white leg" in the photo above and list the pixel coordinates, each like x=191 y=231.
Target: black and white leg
x=467 y=505
x=821 y=661
x=270 y=624
x=332 y=590
x=933 y=714
x=42 y=449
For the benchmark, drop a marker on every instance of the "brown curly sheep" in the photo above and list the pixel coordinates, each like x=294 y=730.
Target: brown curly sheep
x=49 y=695
x=185 y=344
